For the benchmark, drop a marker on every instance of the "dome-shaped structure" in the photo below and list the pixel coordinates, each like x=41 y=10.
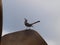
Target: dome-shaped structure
x=24 y=37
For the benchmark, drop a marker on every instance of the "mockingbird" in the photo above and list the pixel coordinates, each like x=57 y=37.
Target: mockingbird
x=28 y=24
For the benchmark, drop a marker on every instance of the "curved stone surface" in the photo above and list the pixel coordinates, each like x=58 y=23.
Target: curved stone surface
x=25 y=37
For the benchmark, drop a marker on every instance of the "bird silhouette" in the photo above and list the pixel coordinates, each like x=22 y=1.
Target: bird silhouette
x=28 y=24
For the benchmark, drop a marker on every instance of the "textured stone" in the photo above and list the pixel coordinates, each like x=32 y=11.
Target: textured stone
x=25 y=37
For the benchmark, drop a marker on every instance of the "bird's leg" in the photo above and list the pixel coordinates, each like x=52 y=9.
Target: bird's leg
x=29 y=27
x=26 y=28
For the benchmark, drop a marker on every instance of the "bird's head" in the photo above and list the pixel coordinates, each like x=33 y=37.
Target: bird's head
x=25 y=19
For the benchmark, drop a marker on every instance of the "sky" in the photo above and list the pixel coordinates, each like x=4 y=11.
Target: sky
x=47 y=11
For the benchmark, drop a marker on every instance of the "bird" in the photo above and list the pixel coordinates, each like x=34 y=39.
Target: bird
x=28 y=24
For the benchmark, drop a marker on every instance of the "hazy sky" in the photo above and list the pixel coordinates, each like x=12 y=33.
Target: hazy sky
x=47 y=11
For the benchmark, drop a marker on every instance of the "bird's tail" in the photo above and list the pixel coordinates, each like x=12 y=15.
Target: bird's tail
x=35 y=22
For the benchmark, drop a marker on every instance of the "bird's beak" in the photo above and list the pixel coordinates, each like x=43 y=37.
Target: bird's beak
x=25 y=18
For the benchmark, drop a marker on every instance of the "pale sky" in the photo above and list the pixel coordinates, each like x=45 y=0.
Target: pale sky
x=47 y=11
